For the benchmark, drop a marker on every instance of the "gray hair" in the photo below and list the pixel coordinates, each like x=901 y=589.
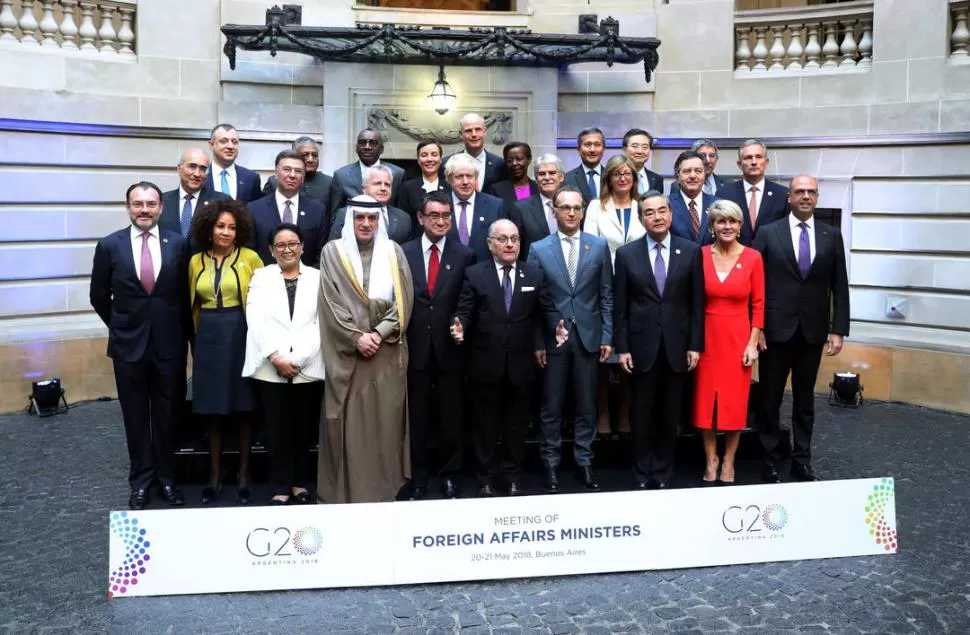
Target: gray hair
x=472 y=116
x=302 y=141
x=547 y=159
x=752 y=142
x=186 y=151
x=502 y=221
x=722 y=208
x=460 y=161
x=700 y=143
x=375 y=169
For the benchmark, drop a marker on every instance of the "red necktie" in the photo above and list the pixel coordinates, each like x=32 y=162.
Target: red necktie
x=432 y=269
x=695 y=220
x=753 y=207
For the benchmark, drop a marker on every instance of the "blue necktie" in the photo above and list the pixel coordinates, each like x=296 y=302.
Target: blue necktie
x=225 y=183
x=507 y=286
x=804 y=251
x=186 y=218
x=592 y=184
x=660 y=269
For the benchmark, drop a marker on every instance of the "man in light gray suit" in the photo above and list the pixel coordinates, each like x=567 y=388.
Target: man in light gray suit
x=348 y=181
x=377 y=183
x=576 y=332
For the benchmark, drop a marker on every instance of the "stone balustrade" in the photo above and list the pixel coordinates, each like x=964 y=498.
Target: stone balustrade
x=818 y=39
x=959 y=33
x=101 y=28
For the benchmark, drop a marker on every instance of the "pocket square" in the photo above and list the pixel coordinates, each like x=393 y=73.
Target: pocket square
x=526 y=289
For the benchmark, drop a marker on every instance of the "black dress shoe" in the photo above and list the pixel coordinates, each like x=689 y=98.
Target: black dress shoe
x=804 y=472
x=244 y=495
x=279 y=501
x=552 y=481
x=660 y=485
x=171 y=495
x=417 y=493
x=515 y=489
x=449 y=487
x=138 y=499
x=587 y=479
x=770 y=474
x=302 y=498
x=638 y=484
x=486 y=491
x=211 y=494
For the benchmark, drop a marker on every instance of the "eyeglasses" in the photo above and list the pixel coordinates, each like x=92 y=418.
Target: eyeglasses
x=287 y=246
x=804 y=192
x=435 y=216
x=504 y=240
x=143 y=205
x=621 y=175
x=290 y=170
x=576 y=209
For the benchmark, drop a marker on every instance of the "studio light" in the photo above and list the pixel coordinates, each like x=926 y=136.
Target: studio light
x=47 y=397
x=845 y=390
x=442 y=97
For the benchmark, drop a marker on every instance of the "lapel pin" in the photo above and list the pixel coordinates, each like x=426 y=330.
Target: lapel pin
x=676 y=251
x=448 y=267
x=481 y=219
x=164 y=240
x=521 y=275
x=738 y=265
x=586 y=247
x=302 y=213
x=769 y=193
x=206 y=203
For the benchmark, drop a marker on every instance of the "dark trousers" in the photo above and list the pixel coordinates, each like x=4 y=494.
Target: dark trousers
x=656 y=403
x=501 y=408
x=435 y=395
x=571 y=360
x=150 y=391
x=291 y=412
x=801 y=359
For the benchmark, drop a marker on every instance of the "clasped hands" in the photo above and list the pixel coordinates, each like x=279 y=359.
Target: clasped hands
x=369 y=343
x=284 y=367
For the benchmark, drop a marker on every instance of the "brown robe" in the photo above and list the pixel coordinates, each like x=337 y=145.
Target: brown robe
x=364 y=448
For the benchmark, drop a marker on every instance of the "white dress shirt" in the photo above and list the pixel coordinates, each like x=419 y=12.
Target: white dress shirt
x=469 y=211
x=154 y=248
x=698 y=202
x=500 y=269
x=757 y=195
x=429 y=186
x=426 y=250
x=294 y=205
x=653 y=252
x=364 y=168
x=550 y=213
x=230 y=177
x=480 y=163
x=643 y=182
x=796 y=234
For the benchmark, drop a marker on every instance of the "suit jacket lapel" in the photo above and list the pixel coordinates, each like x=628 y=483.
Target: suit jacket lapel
x=783 y=234
x=538 y=217
x=582 y=256
x=673 y=265
x=128 y=257
x=822 y=244
x=644 y=254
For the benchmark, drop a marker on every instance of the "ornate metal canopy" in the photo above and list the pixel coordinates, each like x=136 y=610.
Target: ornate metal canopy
x=390 y=44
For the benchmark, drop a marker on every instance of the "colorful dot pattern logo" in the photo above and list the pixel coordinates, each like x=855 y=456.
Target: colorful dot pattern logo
x=775 y=517
x=880 y=528
x=307 y=541
x=136 y=553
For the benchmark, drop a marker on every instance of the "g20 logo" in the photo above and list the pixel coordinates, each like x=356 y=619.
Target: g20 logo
x=262 y=542
x=753 y=518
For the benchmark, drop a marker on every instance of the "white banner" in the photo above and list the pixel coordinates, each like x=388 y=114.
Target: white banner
x=169 y=552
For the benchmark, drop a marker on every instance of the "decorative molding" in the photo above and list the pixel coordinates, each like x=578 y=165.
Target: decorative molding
x=499 y=125
x=475 y=46
x=846 y=141
x=144 y=132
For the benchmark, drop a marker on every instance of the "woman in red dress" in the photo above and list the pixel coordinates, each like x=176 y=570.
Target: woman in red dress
x=734 y=284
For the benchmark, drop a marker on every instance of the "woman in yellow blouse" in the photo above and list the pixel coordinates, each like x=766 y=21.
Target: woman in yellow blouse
x=218 y=282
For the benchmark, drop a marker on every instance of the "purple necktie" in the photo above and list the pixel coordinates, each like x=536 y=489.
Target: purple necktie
x=507 y=286
x=660 y=269
x=804 y=251
x=147 y=273
x=463 y=223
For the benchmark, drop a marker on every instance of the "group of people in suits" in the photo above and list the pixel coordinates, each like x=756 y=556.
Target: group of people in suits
x=521 y=286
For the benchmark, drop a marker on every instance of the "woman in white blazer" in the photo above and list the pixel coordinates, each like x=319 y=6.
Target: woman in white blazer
x=615 y=215
x=283 y=355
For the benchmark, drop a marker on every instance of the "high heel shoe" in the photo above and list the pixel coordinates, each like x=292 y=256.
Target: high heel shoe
x=211 y=493
x=717 y=475
x=244 y=494
x=722 y=480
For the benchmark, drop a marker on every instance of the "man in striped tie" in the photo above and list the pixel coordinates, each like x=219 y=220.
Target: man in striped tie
x=577 y=332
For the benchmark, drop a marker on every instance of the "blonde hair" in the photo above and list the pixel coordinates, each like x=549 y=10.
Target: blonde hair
x=723 y=209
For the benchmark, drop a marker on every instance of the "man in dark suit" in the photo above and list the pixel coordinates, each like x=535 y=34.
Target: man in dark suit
x=226 y=175
x=577 y=281
x=761 y=201
x=490 y=167
x=316 y=184
x=179 y=205
x=688 y=205
x=535 y=216
x=707 y=150
x=139 y=289
x=474 y=211
x=435 y=363
x=288 y=205
x=658 y=324
x=499 y=311
x=590 y=143
x=806 y=312
x=378 y=184
x=348 y=181
x=637 y=146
